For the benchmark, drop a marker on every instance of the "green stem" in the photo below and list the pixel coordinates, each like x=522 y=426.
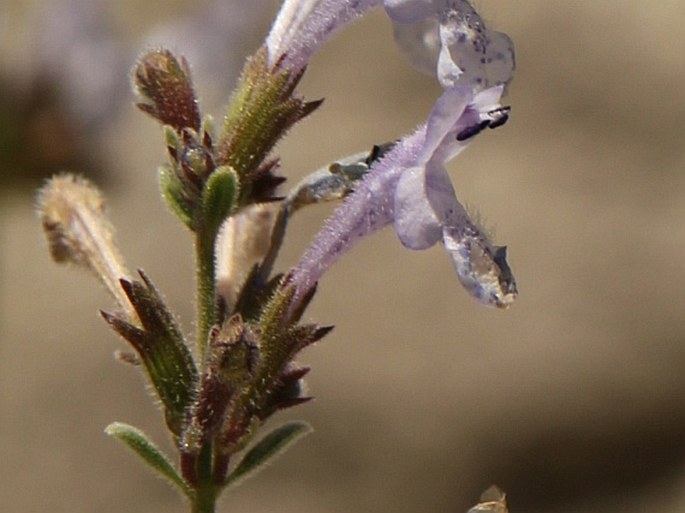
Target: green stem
x=204 y=500
x=206 y=300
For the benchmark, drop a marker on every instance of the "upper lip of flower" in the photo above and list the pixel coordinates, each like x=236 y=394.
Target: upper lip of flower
x=456 y=45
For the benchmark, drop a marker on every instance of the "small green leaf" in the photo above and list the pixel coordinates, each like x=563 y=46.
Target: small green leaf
x=172 y=192
x=139 y=443
x=219 y=196
x=272 y=445
x=171 y=137
x=273 y=323
x=161 y=347
x=263 y=108
x=208 y=124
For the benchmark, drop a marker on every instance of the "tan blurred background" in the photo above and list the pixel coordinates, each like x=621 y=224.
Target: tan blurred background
x=573 y=400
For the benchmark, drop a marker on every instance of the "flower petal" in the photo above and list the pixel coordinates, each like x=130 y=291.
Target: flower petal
x=424 y=198
x=485 y=58
x=420 y=42
x=500 y=58
x=488 y=100
x=442 y=120
x=477 y=111
x=449 y=38
x=408 y=11
x=451 y=64
x=481 y=268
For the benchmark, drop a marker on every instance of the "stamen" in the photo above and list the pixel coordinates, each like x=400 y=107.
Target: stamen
x=473 y=130
x=499 y=116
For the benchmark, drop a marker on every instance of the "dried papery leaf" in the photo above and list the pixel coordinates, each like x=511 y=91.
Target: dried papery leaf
x=72 y=211
x=243 y=242
x=492 y=500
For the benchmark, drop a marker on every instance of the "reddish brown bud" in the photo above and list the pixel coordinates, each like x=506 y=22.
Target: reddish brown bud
x=165 y=82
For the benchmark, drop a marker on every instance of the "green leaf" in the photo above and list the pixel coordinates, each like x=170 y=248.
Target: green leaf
x=173 y=194
x=161 y=347
x=219 y=197
x=171 y=137
x=139 y=443
x=263 y=108
x=272 y=445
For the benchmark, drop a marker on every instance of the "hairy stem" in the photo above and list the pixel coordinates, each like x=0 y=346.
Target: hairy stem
x=206 y=300
x=204 y=500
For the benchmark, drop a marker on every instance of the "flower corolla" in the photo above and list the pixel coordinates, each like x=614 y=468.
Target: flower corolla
x=410 y=186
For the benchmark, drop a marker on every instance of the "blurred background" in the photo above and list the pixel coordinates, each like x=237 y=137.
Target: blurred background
x=571 y=401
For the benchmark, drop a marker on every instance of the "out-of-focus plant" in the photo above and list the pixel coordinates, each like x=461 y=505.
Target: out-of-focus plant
x=219 y=388
x=65 y=76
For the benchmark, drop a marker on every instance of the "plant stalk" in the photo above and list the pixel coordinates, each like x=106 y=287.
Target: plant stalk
x=206 y=294
x=204 y=500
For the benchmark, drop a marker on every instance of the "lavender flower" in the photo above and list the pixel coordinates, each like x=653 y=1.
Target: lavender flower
x=410 y=187
x=303 y=25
